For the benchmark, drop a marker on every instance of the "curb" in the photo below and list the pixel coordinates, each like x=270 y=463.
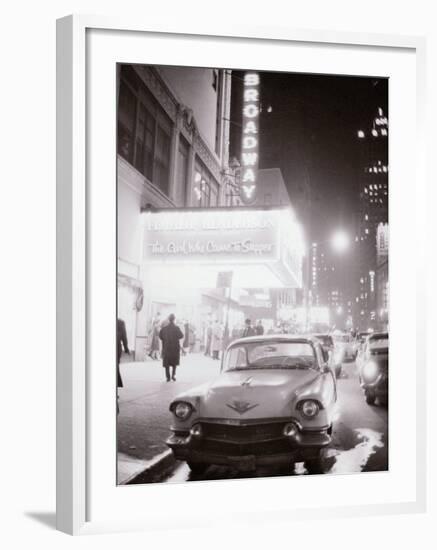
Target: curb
x=154 y=470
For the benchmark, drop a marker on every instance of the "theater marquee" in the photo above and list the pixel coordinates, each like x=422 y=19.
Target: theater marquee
x=226 y=239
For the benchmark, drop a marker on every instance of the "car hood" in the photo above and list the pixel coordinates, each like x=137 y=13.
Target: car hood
x=254 y=393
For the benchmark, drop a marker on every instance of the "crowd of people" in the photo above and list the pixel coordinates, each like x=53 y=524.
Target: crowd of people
x=167 y=340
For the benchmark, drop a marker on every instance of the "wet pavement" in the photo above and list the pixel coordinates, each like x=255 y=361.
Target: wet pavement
x=360 y=440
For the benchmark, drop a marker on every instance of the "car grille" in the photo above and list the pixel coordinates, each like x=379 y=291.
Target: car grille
x=243 y=440
x=243 y=434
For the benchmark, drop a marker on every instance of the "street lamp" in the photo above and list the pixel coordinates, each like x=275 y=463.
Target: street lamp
x=340 y=241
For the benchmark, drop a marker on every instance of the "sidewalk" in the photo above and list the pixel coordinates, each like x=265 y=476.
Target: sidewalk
x=144 y=418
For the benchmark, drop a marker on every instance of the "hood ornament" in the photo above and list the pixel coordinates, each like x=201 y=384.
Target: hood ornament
x=241 y=407
x=247 y=382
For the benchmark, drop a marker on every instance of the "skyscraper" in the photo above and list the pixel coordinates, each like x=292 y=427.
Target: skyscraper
x=373 y=210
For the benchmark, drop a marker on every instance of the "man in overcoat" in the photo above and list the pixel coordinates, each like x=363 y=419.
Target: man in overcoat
x=121 y=345
x=170 y=336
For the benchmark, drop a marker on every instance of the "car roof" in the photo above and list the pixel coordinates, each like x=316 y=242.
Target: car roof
x=378 y=335
x=275 y=338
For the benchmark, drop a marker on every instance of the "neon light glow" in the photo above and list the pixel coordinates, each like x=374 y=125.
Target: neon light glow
x=250 y=143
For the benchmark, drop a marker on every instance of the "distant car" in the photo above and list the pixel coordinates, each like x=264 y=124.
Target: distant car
x=373 y=368
x=335 y=356
x=344 y=346
x=273 y=403
x=360 y=340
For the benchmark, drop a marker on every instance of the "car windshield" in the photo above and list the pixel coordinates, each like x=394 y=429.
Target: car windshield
x=270 y=355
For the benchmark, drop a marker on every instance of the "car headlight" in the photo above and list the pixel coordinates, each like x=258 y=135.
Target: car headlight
x=370 y=371
x=182 y=410
x=309 y=408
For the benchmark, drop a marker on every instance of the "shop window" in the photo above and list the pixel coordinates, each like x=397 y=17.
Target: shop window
x=144 y=130
x=126 y=122
x=182 y=165
x=205 y=187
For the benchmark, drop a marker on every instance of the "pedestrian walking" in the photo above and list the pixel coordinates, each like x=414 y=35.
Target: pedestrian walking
x=154 y=339
x=259 y=329
x=186 y=342
x=208 y=339
x=191 y=337
x=170 y=336
x=248 y=330
x=216 y=340
x=122 y=344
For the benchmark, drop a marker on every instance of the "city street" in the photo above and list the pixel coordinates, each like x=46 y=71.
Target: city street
x=239 y=215
x=144 y=418
x=359 y=439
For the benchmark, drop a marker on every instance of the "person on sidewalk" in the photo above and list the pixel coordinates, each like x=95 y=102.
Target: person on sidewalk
x=185 y=343
x=122 y=344
x=170 y=336
x=249 y=330
x=208 y=339
x=216 y=340
x=154 y=339
x=259 y=329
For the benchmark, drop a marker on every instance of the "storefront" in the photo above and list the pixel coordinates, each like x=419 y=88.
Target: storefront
x=186 y=252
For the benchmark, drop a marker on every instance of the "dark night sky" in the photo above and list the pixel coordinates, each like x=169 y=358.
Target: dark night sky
x=311 y=135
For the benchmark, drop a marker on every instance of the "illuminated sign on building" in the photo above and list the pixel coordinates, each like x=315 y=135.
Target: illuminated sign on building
x=250 y=139
x=224 y=238
x=382 y=239
x=211 y=236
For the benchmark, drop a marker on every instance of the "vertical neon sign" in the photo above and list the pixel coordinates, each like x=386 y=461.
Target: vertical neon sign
x=250 y=143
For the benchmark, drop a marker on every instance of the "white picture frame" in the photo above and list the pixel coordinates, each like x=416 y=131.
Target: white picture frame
x=73 y=298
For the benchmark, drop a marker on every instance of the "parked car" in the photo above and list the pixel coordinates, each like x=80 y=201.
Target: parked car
x=272 y=403
x=335 y=358
x=373 y=368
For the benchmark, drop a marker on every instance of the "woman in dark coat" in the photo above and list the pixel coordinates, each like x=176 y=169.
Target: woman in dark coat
x=170 y=335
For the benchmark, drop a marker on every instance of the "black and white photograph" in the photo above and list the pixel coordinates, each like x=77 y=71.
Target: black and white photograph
x=252 y=274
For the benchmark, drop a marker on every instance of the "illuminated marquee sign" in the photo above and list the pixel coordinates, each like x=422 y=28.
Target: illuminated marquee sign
x=271 y=238
x=249 y=143
x=210 y=237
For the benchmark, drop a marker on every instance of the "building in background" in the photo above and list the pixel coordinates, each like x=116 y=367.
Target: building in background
x=172 y=151
x=373 y=210
x=382 y=277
